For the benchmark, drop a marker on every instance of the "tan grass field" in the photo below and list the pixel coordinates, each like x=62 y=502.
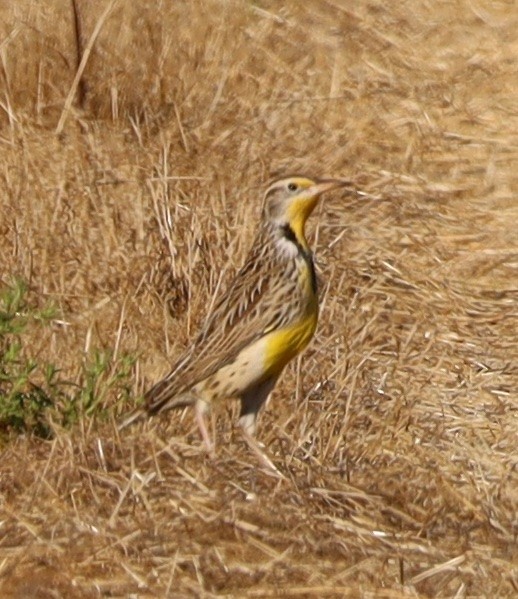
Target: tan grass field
x=396 y=433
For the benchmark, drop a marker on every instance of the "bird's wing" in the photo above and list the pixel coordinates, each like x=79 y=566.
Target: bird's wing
x=243 y=314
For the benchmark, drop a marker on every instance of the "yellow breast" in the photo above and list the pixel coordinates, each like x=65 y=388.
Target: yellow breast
x=284 y=344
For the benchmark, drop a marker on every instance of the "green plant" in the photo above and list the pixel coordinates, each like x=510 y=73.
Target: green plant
x=22 y=402
x=32 y=391
x=101 y=375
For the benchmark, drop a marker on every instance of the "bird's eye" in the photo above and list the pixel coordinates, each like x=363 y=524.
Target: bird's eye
x=293 y=186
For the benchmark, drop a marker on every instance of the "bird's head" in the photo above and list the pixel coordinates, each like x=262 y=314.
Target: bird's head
x=290 y=201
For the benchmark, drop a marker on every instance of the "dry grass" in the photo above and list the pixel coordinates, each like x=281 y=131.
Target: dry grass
x=397 y=431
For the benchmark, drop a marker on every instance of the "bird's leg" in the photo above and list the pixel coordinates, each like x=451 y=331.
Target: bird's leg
x=251 y=403
x=261 y=454
x=201 y=409
x=248 y=423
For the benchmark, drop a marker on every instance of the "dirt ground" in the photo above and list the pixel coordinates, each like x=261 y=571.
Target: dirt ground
x=129 y=194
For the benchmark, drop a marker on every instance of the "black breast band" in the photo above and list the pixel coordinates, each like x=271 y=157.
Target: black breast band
x=289 y=234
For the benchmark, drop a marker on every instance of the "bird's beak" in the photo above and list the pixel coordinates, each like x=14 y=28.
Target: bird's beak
x=323 y=185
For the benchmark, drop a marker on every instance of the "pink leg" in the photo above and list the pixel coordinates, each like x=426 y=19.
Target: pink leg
x=200 y=408
x=261 y=454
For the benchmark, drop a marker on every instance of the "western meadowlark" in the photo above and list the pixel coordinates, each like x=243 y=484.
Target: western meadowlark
x=266 y=317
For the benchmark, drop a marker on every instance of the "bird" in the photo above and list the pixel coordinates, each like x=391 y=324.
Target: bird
x=266 y=316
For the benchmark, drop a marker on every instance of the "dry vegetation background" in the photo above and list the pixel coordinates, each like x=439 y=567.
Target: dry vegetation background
x=397 y=431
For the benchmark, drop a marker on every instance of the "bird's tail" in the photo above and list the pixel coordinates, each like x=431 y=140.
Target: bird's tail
x=164 y=396
x=135 y=416
x=159 y=398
